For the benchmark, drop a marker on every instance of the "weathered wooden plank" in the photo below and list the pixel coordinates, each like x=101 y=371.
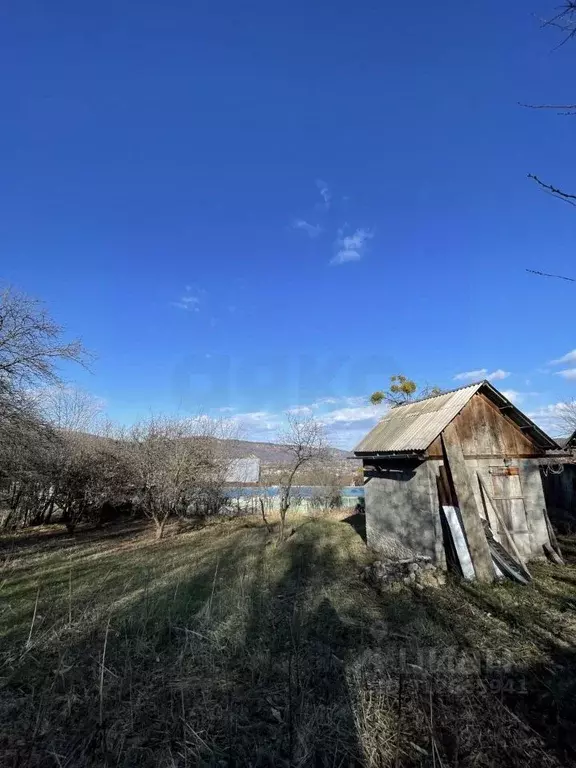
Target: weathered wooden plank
x=505 y=533
x=469 y=511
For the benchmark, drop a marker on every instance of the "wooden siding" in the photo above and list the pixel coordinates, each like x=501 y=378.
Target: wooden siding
x=485 y=431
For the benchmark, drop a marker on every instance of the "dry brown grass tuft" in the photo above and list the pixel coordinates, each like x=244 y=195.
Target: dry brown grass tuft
x=220 y=647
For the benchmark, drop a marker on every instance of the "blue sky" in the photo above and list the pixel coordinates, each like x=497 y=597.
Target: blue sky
x=261 y=206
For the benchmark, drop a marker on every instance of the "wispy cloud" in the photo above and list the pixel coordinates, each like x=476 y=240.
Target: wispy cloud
x=567 y=373
x=302 y=410
x=569 y=357
x=553 y=418
x=512 y=395
x=498 y=375
x=257 y=425
x=351 y=247
x=368 y=414
x=325 y=192
x=190 y=301
x=479 y=373
x=312 y=230
x=482 y=373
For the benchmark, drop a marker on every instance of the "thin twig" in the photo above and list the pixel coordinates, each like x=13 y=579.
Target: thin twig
x=549 y=106
x=547 y=274
x=102 y=670
x=29 y=641
x=570 y=199
x=70 y=595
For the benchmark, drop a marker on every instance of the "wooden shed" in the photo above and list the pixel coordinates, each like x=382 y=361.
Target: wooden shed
x=559 y=481
x=467 y=459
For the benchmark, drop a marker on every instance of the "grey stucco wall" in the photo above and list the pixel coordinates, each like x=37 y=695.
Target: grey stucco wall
x=402 y=516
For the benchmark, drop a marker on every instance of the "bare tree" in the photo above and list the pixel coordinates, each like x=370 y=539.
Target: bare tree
x=31 y=343
x=566 y=418
x=177 y=462
x=69 y=408
x=305 y=440
x=31 y=346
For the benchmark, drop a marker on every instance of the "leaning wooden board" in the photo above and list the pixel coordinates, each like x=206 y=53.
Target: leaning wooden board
x=469 y=512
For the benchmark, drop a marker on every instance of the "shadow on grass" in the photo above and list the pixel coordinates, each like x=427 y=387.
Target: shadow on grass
x=227 y=649
x=57 y=538
x=358 y=523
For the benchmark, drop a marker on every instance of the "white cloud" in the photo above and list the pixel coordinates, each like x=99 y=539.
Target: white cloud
x=513 y=396
x=190 y=302
x=552 y=418
x=351 y=247
x=353 y=415
x=312 y=230
x=257 y=425
x=482 y=373
x=567 y=373
x=325 y=193
x=301 y=410
x=498 y=375
x=569 y=357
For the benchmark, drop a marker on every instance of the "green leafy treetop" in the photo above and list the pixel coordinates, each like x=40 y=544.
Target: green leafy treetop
x=401 y=390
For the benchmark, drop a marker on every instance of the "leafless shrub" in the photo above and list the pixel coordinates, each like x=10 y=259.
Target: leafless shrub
x=179 y=465
x=305 y=440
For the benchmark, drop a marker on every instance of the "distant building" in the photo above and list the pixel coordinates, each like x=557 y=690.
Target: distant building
x=244 y=470
x=467 y=458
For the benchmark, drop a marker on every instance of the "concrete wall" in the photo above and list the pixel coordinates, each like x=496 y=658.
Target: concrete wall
x=402 y=514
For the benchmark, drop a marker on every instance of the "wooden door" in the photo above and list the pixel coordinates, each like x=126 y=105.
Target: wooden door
x=508 y=496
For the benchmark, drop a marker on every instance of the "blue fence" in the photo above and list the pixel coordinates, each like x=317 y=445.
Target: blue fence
x=302 y=491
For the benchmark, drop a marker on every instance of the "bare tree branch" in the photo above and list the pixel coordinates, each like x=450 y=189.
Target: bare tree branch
x=31 y=343
x=546 y=274
x=565 y=20
x=569 y=109
x=554 y=191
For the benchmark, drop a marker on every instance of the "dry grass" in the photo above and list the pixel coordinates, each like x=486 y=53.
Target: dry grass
x=220 y=647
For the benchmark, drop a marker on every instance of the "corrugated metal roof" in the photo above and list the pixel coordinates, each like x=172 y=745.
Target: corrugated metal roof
x=413 y=426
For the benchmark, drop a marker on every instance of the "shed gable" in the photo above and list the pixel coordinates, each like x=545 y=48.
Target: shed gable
x=485 y=431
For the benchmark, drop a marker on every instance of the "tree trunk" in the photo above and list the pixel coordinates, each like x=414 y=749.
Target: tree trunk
x=261 y=500
x=160 y=525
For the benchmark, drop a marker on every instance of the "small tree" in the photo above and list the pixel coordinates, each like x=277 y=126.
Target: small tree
x=305 y=441
x=31 y=346
x=401 y=390
x=176 y=462
x=69 y=408
x=566 y=419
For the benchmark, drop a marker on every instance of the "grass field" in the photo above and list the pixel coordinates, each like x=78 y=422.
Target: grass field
x=221 y=647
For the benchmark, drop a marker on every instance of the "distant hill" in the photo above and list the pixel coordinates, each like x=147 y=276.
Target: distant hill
x=272 y=453
x=268 y=453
